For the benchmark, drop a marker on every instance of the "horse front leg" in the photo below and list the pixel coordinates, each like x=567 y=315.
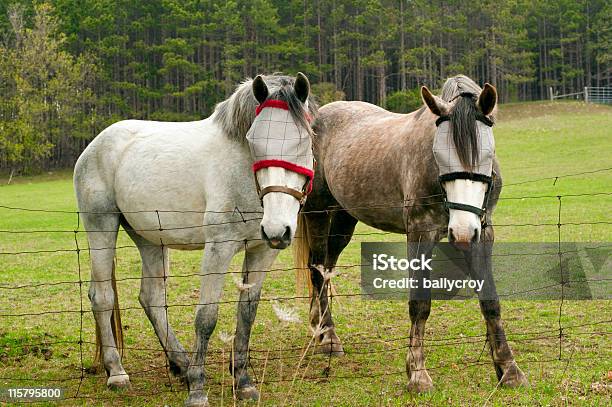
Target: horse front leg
x=217 y=258
x=321 y=322
x=340 y=234
x=506 y=368
x=256 y=263
x=419 y=308
x=480 y=267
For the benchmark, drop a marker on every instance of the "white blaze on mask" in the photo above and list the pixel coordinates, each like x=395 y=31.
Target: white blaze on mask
x=276 y=140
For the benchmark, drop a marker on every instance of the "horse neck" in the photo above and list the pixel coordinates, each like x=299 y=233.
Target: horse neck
x=419 y=139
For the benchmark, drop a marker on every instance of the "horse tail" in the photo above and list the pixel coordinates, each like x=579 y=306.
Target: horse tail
x=116 y=327
x=301 y=255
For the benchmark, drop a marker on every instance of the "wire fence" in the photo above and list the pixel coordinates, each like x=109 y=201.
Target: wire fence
x=299 y=357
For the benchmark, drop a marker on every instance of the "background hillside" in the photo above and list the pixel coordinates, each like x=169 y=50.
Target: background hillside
x=68 y=68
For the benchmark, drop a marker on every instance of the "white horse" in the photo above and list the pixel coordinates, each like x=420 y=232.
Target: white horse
x=190 y=186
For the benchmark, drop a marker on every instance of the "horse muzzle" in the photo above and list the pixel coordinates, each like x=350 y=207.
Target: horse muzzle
x=276 y=237
x=463 y=238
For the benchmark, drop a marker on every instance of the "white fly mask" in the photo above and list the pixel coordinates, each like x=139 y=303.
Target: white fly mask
x=450 y=166
x=276 y=140
x=446 y=155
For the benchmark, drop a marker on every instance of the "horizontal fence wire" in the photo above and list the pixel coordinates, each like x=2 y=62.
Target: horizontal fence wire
x=557 y=338
x=271 y=270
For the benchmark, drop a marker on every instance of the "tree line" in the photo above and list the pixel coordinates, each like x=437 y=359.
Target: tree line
x=68 y=68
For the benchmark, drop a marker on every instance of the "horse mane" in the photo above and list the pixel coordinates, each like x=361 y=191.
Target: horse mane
x=463 y=116
x=235 y=115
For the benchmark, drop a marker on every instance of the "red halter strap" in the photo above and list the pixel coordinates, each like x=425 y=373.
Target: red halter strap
x=299 y=195
x=278 y=104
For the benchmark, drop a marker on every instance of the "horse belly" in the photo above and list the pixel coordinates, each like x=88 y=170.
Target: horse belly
x=169 y=225
x=177 y=230
x=385 y=219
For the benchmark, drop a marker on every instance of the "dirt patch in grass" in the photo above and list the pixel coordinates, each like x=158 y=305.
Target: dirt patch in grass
x=14 y=347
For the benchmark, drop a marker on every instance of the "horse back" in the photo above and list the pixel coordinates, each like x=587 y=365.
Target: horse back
x=181 y=169
x=373 y=161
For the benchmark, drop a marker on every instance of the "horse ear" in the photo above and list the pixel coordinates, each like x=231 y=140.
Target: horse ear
x=302 y=87
x=260 y=90
x=487 y=99
x=435 y=104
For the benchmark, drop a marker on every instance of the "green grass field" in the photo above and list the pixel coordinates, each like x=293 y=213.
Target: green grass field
x=534 y=141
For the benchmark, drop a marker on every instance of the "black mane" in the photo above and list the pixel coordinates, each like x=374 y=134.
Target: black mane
x=465 y=135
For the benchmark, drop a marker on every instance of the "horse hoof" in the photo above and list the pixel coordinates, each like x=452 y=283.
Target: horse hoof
x=247 y=393
x=119 y=382
x=333 y=349
x=420 y=382
x=196 y=401
x=514 y=377
x=330 y=345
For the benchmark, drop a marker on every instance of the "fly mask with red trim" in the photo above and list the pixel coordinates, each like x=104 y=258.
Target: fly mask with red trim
x=276 y=140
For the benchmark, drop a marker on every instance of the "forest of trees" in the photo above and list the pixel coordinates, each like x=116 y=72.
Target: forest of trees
x=68 y=68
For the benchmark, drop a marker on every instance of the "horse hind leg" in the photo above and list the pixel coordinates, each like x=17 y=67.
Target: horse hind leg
x=102 y=235
x=152 y=297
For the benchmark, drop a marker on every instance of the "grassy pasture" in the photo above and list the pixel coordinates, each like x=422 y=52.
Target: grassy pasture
x=534 y=140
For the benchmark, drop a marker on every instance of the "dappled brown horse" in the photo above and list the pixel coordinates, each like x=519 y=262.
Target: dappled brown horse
x=380 y=168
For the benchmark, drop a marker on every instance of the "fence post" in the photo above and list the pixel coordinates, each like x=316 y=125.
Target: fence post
x=550 y=93
x=586 y=94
